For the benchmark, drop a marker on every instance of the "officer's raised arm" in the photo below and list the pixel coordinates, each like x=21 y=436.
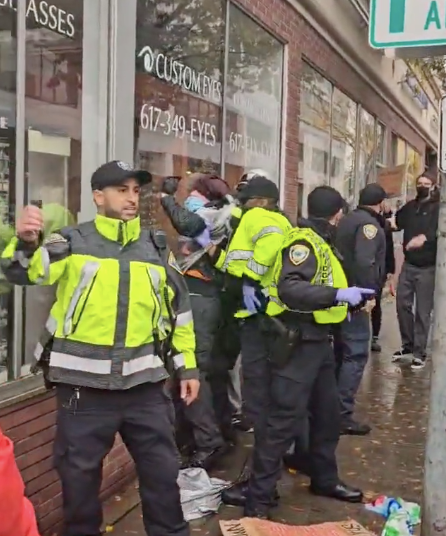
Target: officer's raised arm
x=26 y=261
x=295 y=287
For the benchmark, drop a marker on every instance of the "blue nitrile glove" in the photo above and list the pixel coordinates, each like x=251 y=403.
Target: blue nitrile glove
x=204 y=238
x=252 y=303
x=353 y=295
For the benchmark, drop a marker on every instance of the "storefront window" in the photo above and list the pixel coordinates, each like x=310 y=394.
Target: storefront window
x=414 y=169
x=343 y=145
x=179 y=86
x=314 y=130
x=380 y=144
x=8 y=68
x=367 y=145
x=53 y=115
x=253 y=96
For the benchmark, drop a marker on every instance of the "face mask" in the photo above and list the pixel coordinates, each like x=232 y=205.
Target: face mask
x=193 y=203
x=423 y=192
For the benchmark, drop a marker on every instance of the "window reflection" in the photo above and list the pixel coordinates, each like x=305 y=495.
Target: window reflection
x=314 y=131
x=366 y=165
x=414 y=169
x=343 y=145
x=8 y=68
x=253 y=98
x=53 y=117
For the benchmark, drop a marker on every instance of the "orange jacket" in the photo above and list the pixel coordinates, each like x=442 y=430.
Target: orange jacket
x=17 y=517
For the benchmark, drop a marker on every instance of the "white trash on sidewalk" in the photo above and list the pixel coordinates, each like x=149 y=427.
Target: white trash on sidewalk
x=200 y=494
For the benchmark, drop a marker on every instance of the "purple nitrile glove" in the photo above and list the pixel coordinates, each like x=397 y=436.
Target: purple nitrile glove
x=353 y=295
x=204 y=238
x=252 y=303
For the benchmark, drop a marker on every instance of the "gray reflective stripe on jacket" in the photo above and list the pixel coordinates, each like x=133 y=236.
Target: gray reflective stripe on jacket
x=256 y=267
x=271 y=229
x=236 y=255
x=113 y=367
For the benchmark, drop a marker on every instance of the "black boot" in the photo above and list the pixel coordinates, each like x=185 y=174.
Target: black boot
x=355 y=428
x=207 y=459
x=236 y=495
x=296 y=463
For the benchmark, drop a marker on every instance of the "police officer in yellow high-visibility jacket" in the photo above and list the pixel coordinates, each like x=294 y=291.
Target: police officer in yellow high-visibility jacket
x=116 y=291
x=308 y=295
x=248 y=261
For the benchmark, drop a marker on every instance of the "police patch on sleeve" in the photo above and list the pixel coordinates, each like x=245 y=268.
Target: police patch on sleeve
x=370 y=231
x=173 y=263
x=299 y=254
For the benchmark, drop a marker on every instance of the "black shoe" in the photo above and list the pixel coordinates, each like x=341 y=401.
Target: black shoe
x=206 y=459
x=401 y=355
x=242 y=424
x=291 y=461
x=341 y=492
x=258 y=513
x=375 y=347
x=236 y=495
x=356 y=428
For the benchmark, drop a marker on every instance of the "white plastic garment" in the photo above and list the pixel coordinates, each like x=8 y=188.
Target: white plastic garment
x=200 y=494
x=219 y=223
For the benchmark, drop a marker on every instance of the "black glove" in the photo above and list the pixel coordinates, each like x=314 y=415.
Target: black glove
x=170 y=185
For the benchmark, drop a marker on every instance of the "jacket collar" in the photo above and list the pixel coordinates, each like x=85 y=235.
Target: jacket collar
x=378 y=217
x=118 y=230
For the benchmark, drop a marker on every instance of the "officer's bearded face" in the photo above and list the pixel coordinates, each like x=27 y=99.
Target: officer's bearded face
x=119 y=202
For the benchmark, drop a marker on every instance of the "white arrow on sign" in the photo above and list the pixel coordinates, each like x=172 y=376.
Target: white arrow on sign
x=442 y=136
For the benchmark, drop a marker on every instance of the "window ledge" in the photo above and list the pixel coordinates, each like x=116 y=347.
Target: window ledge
x=20 y=390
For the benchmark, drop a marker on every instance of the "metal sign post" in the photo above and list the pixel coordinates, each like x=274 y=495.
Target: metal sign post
x=442 y=136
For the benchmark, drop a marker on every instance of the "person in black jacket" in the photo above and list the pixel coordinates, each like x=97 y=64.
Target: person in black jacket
x=205 y=287
x=376 y=315
x=418 y=219
x=361 y=241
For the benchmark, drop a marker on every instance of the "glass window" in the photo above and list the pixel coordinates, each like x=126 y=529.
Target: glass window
x=179 y=86
x=314 y=131
x=415 y=167
x=343 y=145
x=8 y=68
x=53 y=116
x=366 y=164
x=253 y=96
x=380 y=144
x=398 y=150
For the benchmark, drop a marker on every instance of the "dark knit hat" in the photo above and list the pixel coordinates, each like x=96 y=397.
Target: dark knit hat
x=261 y=187
x=372 y=194
x=324 y=202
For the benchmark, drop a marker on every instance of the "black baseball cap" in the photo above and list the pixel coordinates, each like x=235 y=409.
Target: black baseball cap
x=324 y=202
x=115 y=173
x=372 y=194
x=261 y=187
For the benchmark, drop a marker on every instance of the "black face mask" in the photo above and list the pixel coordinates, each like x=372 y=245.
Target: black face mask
x=423 y=192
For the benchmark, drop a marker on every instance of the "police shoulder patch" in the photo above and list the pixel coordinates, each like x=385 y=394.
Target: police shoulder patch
x=370 y=231
x=172 y=262
x=299 y=254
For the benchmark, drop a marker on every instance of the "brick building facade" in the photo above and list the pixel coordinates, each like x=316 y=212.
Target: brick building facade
x=31 y=423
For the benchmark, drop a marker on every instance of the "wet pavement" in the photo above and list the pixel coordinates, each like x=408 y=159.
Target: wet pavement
x=389 y=461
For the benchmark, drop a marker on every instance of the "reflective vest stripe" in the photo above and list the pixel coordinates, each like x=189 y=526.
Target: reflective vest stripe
x=265 y=231
x=256 y=267
x=237 y=255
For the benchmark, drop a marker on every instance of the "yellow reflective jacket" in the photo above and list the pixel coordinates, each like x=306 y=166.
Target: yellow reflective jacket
x=253 y=248
x=329 y=273
x=113 y=292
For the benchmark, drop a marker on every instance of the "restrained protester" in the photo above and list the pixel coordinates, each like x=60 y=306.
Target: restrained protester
x=111 y=341
x=308 y=295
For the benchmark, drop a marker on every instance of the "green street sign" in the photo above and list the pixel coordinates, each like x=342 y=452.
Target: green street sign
x=407 y=23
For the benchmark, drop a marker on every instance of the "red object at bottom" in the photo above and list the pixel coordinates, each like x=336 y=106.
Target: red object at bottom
x=17 y=516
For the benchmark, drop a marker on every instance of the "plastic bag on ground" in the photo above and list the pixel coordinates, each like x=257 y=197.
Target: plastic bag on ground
x=200 y=494
x=401 y=516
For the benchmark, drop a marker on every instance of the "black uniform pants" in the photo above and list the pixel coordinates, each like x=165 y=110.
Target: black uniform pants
x=200 y=414
x=306 y=384
x=254 y=347
x=87 y=423
x=376 y=316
